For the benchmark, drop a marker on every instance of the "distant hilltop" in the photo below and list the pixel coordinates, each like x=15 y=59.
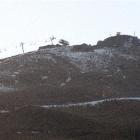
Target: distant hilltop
x=113 y=41
x=119 y=41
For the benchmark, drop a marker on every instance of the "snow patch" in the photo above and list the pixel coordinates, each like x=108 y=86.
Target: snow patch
x=62 y=84
x=6 y=89
x=68 y=79
x=100 y=51
x=4 y=111
x=13 y=75
x=35 y=132
x=44 y=77
x=19 y=132
x=16 y=72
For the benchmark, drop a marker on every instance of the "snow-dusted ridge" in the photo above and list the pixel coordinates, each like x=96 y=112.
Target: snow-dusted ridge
x=92 y=103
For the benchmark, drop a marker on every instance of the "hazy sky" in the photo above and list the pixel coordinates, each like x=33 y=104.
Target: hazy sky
x=78 y=21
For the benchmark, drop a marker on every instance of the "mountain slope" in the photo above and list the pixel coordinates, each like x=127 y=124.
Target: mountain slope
x=111 y=120
x=59 y=74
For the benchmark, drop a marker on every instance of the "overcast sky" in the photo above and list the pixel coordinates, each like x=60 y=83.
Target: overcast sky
x=78 y=21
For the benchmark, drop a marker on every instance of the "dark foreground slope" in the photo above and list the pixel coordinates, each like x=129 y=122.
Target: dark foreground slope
x=116 y=120
x=58 y=74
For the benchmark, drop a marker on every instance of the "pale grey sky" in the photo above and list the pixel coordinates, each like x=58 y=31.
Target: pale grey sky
x=78 y=21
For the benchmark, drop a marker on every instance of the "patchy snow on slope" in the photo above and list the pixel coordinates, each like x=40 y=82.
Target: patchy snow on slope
x=85 y=61
x=100 y=59
x=33 y=57
x=6 y=89
x=46 y=56
x=104 y=51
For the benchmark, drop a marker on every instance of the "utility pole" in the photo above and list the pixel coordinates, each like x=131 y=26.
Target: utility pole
x=51 y=39
x=22 y=46
x=134 y=34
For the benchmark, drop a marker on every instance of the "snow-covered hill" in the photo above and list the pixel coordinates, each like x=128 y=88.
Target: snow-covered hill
x=64 y=74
